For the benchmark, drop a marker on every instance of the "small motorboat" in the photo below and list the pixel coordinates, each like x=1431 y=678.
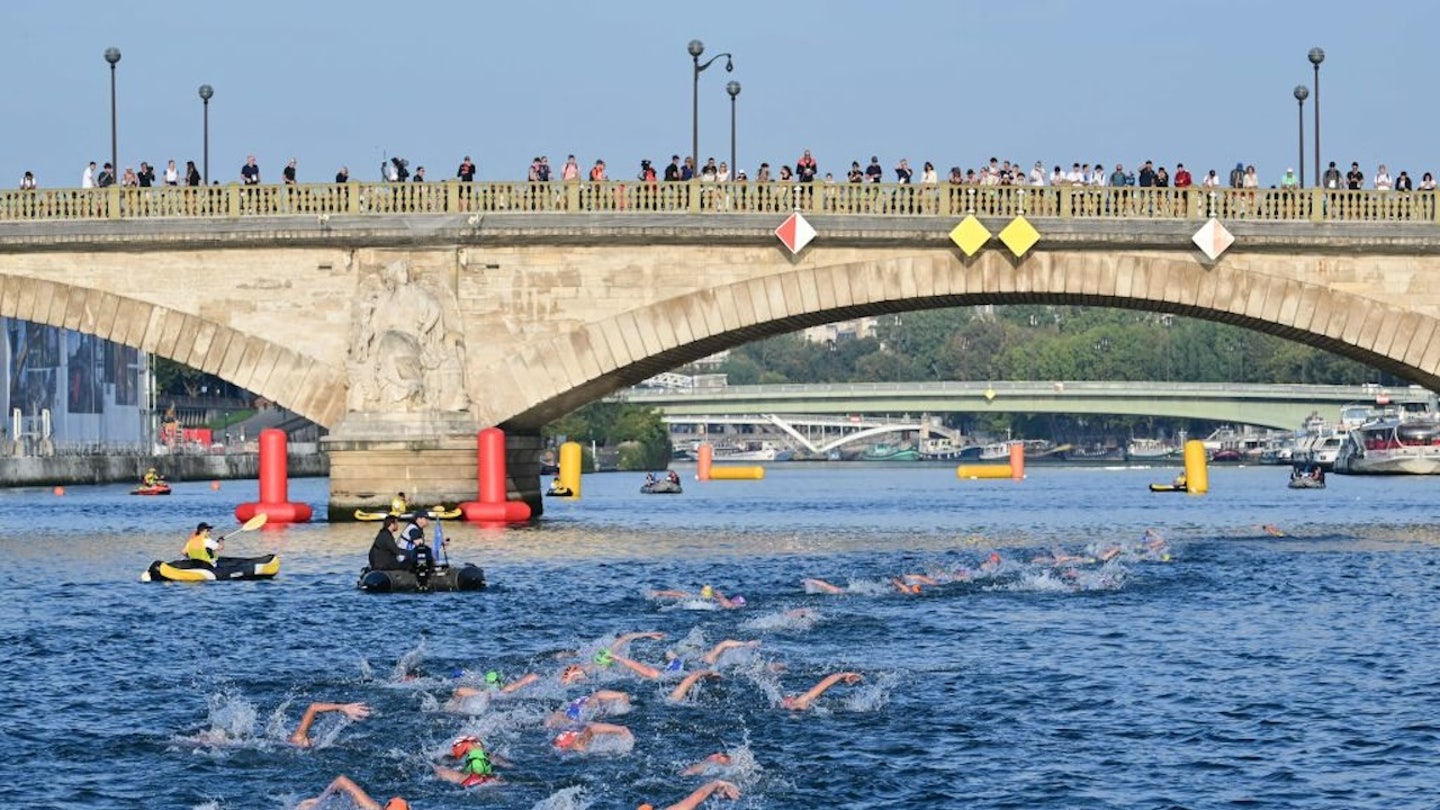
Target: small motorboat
x=662 y=487
x=265 y=567
x=437 y=512
x=161 y=488
x=468 y=577
x=1306 y=482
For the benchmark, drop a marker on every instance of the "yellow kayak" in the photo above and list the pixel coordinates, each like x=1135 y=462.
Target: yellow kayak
x=435 y=512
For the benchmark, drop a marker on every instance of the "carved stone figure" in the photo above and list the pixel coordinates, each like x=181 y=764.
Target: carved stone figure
x=408 y=353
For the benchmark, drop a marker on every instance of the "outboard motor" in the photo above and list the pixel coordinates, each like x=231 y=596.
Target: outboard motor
x=424 y=565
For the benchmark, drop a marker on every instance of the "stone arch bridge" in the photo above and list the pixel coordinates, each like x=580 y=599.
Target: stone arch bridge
x=405 y=333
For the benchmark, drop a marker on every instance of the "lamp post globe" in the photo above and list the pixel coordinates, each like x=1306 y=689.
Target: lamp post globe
x=696 y=47
x=206 y=91
x=112 y=55
x=733 y=89
x=1316 y=56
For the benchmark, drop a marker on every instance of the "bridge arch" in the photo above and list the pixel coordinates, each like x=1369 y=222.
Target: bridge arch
x=279 y=373
x=661 y=336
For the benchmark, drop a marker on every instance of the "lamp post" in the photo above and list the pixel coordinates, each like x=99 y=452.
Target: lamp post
x=1317 y=56
x=733 y=88
x=112 y=55
x=696 y=48
x=1301 y=93
x=206 y=91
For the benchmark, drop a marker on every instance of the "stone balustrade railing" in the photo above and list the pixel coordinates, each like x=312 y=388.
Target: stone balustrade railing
x=945 y=201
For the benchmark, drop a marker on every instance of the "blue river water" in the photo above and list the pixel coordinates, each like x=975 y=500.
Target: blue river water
x=1277 y=652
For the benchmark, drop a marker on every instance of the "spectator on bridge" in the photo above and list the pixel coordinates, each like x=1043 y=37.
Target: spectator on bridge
x=343 y=176
x=130 y=179
x=466 y=172
x=1162 y=178
x=597 y=172
x=289 y=172
x=672 y=171
x=806 y=169
x=570 y=172
x=687 y=169
x=1182 y=176
x=1147 y=175
x=1427 y=182
x=708 y=171
x=1382 y=179
x=106 y=177
x=873 y=172
x=903 y=172
x=1354 y=179
x=1332 y=177
x=172 y=174
x=146 y=177
x=1252 y=179
x=1403 y=183
x=87 y=180
x=1288 y=180
x=856 y=174
x=1212 y=180
x=544 y=169
x=250 y=172
x=28 y=182
x=1237 y=176
x=192 y=174
x=419 y=175
x=1037 y=174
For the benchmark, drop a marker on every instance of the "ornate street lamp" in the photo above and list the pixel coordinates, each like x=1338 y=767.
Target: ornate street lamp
x=696 y=48
x=1317 y=56
x=112 y=55
x=206 y=91
x=733 y=88
x=1301 y=93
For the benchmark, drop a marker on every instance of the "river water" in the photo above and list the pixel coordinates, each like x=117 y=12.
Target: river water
x=1289 y=667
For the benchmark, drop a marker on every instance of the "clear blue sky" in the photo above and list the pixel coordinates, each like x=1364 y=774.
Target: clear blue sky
x=951 y=81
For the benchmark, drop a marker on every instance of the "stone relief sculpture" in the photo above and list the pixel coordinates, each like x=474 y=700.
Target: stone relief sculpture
x=407 y=352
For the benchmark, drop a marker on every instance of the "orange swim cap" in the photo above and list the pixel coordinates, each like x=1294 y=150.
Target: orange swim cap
x=397 y=803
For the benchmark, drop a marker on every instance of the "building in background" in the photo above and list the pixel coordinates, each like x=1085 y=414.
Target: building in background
x=66 y=392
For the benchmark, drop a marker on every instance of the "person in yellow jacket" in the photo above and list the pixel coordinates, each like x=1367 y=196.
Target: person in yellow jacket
x=202 y=546
x=398 y=505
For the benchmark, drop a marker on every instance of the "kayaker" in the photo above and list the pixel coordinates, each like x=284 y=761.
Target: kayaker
x=202 y=546
x=1180 y=481
x=385 y=553
x=398 y=504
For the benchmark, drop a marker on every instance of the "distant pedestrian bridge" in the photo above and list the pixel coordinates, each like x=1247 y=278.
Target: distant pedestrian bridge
x=1285 y=407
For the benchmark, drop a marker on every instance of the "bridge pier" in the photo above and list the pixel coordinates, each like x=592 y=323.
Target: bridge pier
x=428 y=456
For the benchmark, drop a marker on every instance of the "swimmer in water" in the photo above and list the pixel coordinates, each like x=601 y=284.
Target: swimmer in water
x=805 y=700
x=911 y=583
x=343 y=784
x=682 y=690
x=600 y=703
x=813 y=585
x=353 y=711
x=579 y=741
x=700 y=795
x=477 y=766
x=718 y=762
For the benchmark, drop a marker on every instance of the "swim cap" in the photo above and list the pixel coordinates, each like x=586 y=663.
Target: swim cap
x=707 y=592
x=462 y=745
x=737 y=601
x=572 y=673
x=565 y=739
x=576 y=708
x=492 y=677
x=477 y=762
x=397 y=803
x=604 y=658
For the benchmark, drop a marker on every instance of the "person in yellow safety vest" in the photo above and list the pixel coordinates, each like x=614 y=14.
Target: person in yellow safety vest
x=202 y=547
x=398 y=504
x=151 y=477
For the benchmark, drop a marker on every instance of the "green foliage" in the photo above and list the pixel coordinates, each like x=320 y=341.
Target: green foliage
x=639 y=433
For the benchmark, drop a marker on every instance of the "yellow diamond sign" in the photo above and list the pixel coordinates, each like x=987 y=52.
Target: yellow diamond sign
x=1019 y=236
x=970 y=235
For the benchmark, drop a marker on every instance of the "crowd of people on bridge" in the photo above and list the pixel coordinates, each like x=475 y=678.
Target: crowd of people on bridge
x=806 y=169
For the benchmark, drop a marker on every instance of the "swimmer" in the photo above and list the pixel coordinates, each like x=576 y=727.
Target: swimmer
x=605 y=658
x=624 y=640
x=813 y=585
x=362 y=800
x=573 y=674
x=911 y=583
x=724 y=647
x=700 y=795
x=727 y=602
x=477 y=766
x=805 y=700
x=992 y=563
x=493 y=686
x=580 y=741
x=682 y=689
x=717 y=762
x=600 y=703
x=1272 y=530
x=353 y=711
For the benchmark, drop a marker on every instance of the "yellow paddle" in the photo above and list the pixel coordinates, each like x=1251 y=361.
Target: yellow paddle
x=250 y=525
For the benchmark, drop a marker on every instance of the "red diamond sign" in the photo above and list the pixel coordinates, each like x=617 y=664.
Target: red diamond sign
x=795 y=233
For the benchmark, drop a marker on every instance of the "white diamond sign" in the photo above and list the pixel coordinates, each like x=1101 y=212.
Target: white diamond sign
x=795 y=233
x=1213 y=239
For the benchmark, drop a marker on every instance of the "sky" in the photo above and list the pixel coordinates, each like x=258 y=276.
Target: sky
x=950 y=81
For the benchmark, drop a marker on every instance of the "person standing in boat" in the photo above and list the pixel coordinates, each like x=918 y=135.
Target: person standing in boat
x=202 y=547
x=385 y=553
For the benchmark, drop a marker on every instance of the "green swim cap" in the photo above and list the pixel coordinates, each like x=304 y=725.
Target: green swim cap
x=604 y=658
x=478 y=762
x=492 y=677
